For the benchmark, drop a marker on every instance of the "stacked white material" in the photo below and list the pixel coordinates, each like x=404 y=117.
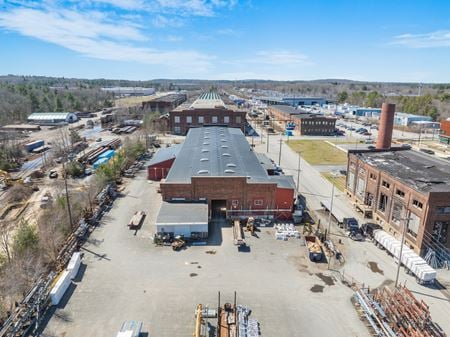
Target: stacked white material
x=286 y=230
x=412 y=262
x=60 y=287
x=74 y=265
x=247 y=327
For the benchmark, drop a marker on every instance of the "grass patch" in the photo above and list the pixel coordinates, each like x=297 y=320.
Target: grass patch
x=339 y=182
x=130 y=101
x=318 y=152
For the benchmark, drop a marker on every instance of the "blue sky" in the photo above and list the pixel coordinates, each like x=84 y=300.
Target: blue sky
x=368 y=40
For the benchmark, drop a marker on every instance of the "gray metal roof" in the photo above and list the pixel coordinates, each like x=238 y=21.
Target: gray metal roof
x=165 y=154
x=49 y=115
x=208 y=100
x=284 y=181
x=182 y=213
x=298 y=113
x=265 y=161
x=216 y=152
x=422 y=172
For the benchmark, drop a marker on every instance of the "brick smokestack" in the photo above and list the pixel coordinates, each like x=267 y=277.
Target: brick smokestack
x=386 y=126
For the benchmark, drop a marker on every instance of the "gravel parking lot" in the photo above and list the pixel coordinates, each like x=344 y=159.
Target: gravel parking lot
x=125 y=277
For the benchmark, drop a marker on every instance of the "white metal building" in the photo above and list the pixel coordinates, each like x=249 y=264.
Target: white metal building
x=182 y=218
x=51 y=118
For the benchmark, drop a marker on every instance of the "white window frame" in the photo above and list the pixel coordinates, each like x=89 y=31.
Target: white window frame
x=201 y=119
x=214 y=119
x=226 y=119
x=258 y=202
x=189 y=119
x=177 y=119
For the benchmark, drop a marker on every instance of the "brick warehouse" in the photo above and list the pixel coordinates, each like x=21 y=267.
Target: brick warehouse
x=397 y=184
x=306 y=123
x=217 y=165
x=208 y=109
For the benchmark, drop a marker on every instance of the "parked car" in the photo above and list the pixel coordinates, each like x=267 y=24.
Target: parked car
x=53 y=174
x=374 y=127
x=356 y=235
x=367 y=133
x=427 y=151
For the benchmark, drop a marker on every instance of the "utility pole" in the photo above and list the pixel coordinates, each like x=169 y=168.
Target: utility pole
x=279 y=154
x=67 y=194
x=405 y=226
x=331 y=208
x=298 y=174
x=267 y=150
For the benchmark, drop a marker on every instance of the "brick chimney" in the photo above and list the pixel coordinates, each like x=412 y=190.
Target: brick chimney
x=386 y=126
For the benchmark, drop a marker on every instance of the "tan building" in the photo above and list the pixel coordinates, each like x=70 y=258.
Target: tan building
x=207 y=110
x=397 y=184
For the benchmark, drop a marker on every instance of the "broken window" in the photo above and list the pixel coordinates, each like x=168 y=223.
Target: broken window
x=386 y=184
x=413 y=226
x=440 y=230
x=382 y=202
x=417 y=203
x=400 y=193
x=397 y=213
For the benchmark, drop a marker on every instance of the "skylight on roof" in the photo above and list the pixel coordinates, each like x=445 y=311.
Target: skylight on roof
x=231 y=165
x=226 y=154
x=224 y=146
x=205 y=143
x=229 y=171
x=202 y=172
x=204 y=159
x=205 y=150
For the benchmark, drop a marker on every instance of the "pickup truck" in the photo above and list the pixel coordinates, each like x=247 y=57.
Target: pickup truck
x=350 y=224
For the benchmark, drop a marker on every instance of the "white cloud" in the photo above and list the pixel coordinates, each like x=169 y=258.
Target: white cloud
x=161 y=21
x=436 y=39
x=173 y=38
x=195 y=7
x=281 y=57
x=124 y=4
x=90 y=35
x=229 y=32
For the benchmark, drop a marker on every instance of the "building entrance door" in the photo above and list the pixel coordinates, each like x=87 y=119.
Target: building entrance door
x=218 y=209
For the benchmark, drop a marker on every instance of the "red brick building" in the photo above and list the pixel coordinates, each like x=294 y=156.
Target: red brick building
x=164 y=104
x=311 y=124
x=217 y=165
x=161 y=163
x=398 y=184
x=207 y=110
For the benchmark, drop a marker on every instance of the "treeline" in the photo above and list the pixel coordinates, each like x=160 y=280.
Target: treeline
x=17 y=101
x=435 y=106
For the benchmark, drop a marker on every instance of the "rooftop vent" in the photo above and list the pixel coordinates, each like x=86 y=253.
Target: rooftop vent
x=204 y=159
x=224 y=146
x=223 y=140
x=231 y=165
x=206 y=137
x=226 y=154
x=202 y=172
x=205 y=143
x=229 y=171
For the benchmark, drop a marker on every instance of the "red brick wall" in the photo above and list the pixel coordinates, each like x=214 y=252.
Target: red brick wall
x=160 y=170
x=207 y=115
x=445 y=127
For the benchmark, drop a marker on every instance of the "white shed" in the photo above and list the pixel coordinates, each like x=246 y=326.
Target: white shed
x=183 y=218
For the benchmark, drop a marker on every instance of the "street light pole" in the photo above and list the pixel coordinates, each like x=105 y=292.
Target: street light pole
x=405 y=226
x=331 y=208
x=267 y=150
x=279 y=154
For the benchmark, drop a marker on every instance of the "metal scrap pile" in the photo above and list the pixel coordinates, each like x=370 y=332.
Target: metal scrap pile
x=247 y=327
x=395 y=312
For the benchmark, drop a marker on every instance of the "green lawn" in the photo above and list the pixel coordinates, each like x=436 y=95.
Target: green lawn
x=318 y=152
x=339 y=182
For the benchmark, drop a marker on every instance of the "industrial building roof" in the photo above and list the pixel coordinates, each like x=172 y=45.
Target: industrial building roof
x=298 y=113
x=284 y=181
x=49 y=115
x=165 y=154
x=418 y=170
x=265 y=161
x=182 y=213
x=169 y=98
x=208 y=100
x=216 y=152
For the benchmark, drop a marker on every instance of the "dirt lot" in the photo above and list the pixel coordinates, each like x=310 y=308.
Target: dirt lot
x=125 y=277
